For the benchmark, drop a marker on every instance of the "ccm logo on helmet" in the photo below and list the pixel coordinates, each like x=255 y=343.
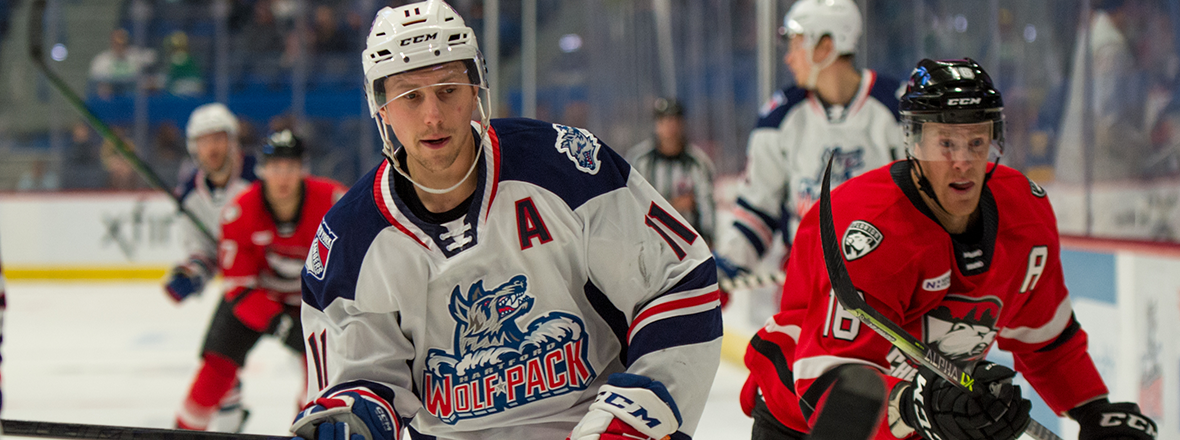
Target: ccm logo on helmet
x=952 y=101
x=419 y=39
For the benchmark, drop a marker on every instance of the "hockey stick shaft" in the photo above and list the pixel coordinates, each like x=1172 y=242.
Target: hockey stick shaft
x=752 y=281
x=37 y=54
x=23 y=428
x=848 y=297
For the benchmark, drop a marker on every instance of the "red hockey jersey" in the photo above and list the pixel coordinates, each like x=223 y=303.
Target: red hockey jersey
x=1001 y=283
x=257 y=253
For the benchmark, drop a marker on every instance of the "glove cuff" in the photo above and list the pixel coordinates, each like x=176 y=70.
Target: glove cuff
x=639 y=408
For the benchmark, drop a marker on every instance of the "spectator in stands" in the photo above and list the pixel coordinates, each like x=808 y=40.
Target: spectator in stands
x=38 y=177
x=326 y=34
x=679 y=170
x=1120 y=137
x=115 y=70
x=184 y=76
x=168 y=152
x=262 y=44
x=120 y=174
x=82 y=159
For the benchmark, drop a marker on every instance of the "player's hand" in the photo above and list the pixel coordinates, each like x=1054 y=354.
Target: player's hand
x=1102 y=420
x=939 y=409
x=629 y=407
x=727 y=270
x=334 y=431
x=186 y=279
x=367 y=418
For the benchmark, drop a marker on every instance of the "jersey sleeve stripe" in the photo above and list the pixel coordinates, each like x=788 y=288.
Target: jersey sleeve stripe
x=699 y=301
x=756 y=216
x=676 y=331
x=751 y=237
x=1044 y=333
x=383 y=199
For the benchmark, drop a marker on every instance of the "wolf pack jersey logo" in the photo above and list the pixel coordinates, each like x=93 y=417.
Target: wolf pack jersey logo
x=845 y=165
x=495 y=364
x=860 y=238
x=962 y=328
x=580 y=146
x=317 y=257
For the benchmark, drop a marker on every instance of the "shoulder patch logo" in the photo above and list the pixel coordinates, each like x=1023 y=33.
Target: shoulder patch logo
x=860 y=238
x=317 y=257
x=580 y=146
x=1036 y=189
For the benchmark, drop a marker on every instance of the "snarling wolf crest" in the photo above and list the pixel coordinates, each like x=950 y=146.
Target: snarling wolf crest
x=487 y=318
x=580 y=146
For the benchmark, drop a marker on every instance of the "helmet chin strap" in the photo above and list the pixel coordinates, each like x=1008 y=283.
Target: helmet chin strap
x=813 y=74
x=392 y=153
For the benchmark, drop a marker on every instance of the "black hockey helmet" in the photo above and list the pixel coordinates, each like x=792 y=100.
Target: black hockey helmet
x=951 y=92
x=666 y=107
x=282 y=144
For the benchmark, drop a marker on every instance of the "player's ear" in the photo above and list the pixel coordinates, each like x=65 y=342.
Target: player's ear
x=823 y=49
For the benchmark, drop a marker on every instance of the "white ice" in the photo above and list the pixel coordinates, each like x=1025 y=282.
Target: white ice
x=124 y=354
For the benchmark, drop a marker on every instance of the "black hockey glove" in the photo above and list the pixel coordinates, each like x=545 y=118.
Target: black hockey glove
x=1102 y=420
x=940 y=410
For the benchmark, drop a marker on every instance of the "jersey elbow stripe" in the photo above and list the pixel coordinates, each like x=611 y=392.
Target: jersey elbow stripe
x=756 y=216
x=1044 y=333
x=679 y=304
x=676 y=331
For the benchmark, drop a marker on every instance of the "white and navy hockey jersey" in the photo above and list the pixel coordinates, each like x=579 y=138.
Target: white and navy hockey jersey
x=502 y=324
x=205 y=202
x=788 y=150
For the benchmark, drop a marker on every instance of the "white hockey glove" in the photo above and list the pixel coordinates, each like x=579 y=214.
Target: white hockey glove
x=364 y=417
x=629 y=407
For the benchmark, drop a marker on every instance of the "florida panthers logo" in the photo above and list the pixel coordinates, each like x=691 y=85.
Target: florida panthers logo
x=580 y=146
x=495 y=363
x=963 y=328
x=860 y=238
x=845 y=165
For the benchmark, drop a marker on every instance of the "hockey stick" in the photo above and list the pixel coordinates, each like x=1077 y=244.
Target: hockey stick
x=752 y=281
x=846 y=294
x=22 y=428
x=37 y=54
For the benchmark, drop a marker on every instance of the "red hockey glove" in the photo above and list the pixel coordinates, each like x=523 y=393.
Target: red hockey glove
x=629 y=407
x=939 y=409
x=1102 y=420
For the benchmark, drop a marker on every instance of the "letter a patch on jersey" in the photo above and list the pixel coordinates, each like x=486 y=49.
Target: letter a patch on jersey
x=580 y=146
x=317 y=257
x=860 y=238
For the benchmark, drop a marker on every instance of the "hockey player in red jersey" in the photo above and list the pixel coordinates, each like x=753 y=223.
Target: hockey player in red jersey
x=266 y=234
x=961 y=252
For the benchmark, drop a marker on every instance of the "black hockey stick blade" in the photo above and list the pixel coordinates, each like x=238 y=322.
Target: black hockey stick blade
x=851 y=300
x=23 y=428
x=853 y=407
x=37 y=55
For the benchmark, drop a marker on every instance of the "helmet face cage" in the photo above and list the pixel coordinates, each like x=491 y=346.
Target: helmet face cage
x=416 y=36
x=951 y=92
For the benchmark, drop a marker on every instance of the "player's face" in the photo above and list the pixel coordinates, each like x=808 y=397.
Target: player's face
x=283 y=176
x=212 y=150
x=430 y=114
x=798 y=58
x=954 y=159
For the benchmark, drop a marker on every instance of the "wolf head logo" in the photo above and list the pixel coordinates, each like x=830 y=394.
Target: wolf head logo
x=580 y=146
x=487 y=318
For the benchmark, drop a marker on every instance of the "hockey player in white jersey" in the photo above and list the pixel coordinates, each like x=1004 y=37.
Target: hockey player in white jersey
x=222 y=173
x=833 y=109
x=498 y=279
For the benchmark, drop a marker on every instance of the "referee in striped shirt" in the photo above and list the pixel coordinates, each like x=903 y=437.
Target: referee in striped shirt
x=679 y=170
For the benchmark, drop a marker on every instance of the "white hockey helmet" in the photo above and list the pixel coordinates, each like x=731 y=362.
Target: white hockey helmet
x=839 y=19
x=210 y=118
x=415 y=36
